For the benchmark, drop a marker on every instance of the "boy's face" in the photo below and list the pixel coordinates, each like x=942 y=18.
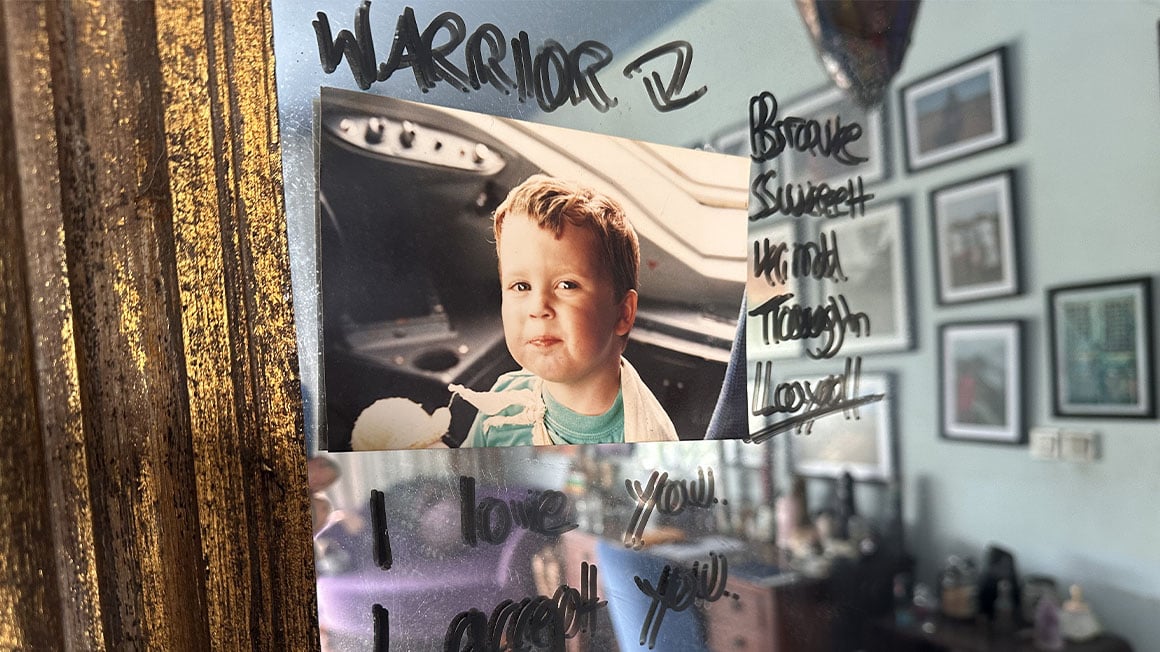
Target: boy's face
x=561 y=318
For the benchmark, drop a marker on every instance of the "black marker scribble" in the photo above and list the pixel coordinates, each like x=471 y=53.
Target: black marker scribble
x=806 y=199
x=811 y=400
x=379 y=534
x=677 y=589
x=551 y=74
x=782 y=321
x=667 y=497
x=768 y=136
x=487 y=70
x=585 y=84
x=779 y=261
x=358 y=48
x=532 y=623
x=491 y=519
x=665 y=96
x=382 y=620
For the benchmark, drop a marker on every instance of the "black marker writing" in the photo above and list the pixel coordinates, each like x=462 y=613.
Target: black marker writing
x=531 y=624
x=381 y=538
x=797 y=199
x=811 y=400
x=668 y=497
x=678 y=588
x=492 y=519
x=781 y=322
x=778 y=261
x=768 y=136
x=664 y=96
x=552 y=74
x=382 y=619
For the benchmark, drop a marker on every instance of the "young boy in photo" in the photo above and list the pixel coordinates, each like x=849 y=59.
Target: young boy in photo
x=568 y=265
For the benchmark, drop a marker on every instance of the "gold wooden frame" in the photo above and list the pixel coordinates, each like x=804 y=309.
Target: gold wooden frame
x=152 y=467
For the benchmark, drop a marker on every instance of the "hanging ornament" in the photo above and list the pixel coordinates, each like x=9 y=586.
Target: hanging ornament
x=861 y=43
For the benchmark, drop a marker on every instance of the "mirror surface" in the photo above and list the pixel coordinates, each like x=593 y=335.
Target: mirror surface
x=1078 y=160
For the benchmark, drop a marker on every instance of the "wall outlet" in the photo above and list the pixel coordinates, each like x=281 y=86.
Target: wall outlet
x=1078 y=445
x=1044 y=443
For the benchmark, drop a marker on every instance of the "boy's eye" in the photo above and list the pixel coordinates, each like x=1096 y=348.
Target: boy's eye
x=520 y=286
x=568 y=285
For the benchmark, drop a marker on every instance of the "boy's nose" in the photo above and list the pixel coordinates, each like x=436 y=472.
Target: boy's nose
x=541 y=306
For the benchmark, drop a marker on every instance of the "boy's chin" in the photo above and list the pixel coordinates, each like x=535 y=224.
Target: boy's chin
x=563 y=378
x=550 y=373
x=565 y=372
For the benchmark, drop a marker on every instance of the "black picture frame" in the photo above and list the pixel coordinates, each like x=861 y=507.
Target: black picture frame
x=956 y=112
x=981 y=381
x=975 y=239
x=1102 y=349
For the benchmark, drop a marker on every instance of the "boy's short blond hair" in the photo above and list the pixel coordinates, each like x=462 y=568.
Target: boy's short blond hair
x=552 y=202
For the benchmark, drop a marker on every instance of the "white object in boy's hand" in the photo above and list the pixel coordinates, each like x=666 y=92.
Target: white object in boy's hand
x=397 y=422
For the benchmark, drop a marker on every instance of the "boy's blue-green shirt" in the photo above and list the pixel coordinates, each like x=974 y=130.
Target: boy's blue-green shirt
x=564 y=426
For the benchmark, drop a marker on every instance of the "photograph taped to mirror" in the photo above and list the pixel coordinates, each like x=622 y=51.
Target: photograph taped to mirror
x=492 y=282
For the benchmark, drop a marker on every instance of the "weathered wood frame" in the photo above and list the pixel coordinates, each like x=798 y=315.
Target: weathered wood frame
x=152 y=470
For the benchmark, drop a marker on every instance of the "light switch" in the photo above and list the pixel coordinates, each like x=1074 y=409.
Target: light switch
x=1078 y=445
x=1044 y=443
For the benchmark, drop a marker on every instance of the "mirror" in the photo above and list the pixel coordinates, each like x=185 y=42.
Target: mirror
x=1064 y=169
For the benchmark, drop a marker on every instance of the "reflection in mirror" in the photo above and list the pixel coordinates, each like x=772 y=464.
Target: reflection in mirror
x=683 y=559
x=1060 y=99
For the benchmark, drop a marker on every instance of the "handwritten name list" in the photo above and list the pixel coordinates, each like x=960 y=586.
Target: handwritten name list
x=822 y=327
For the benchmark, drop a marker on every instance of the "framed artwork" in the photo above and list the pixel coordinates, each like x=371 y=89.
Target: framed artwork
x=1101 y=349
x=975 y=240
x=982 y=380
x=956 y=112
x=872 y=292
x=832 y=105
x=860 y=441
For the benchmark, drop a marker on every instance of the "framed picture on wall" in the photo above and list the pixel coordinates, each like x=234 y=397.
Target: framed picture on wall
x=860 y=441
x=975 y=247
x=1101 y=349
x=956 y=112
x=981 y=380
x=871 y=294
x=832 y=107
